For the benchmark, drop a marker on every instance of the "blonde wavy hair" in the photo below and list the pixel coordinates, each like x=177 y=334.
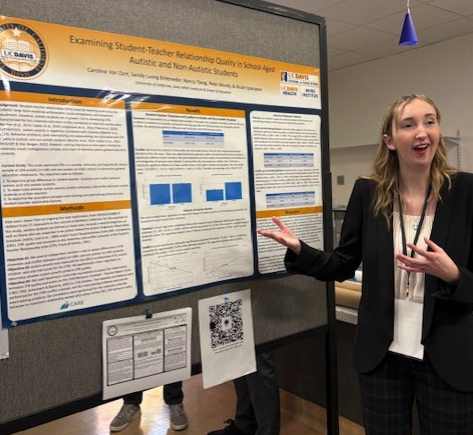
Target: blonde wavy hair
x=386 y=163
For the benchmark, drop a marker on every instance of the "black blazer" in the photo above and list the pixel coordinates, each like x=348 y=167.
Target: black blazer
x=447 y=330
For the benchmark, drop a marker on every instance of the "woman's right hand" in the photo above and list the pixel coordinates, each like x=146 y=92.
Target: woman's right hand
x=283 y=236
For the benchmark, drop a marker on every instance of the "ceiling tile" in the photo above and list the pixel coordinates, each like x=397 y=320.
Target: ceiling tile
x=442 y=32
x=358 y=37
x=336 y=26
x=331 y=51
x=391 y=24
x=425 y=16
x=384 y=48
x=461 y=7
x=362 y=11
x=347 y=59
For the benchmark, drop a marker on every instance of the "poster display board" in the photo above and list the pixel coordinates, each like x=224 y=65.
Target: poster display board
x=230 y=96
x=133 y=168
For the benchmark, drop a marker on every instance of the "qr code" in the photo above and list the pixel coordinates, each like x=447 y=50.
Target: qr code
x=226 y=323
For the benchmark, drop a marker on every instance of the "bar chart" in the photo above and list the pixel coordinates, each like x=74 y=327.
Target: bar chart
x=167 y=193
x=230 y=191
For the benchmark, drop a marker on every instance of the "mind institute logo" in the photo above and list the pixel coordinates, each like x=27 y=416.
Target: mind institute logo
x=22 y=52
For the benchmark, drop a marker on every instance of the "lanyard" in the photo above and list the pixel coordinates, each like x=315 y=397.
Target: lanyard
x=416 y=237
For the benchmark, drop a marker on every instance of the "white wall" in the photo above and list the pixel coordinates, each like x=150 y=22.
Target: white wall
x=359 y=95
x=351 y=163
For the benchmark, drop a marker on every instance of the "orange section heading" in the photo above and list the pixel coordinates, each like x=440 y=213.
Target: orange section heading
x=188 y=110
x=266 y=214
x=31 y=97
x=37 y=210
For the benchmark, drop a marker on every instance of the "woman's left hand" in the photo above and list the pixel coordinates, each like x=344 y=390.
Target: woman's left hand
x=435 y=262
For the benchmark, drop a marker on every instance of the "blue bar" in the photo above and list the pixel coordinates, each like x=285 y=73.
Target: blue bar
x=181 y=193
x=159 y=194
x=233 y=191
x=214 y=194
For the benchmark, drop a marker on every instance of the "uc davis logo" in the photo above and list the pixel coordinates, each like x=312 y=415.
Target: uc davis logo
x=22 y=51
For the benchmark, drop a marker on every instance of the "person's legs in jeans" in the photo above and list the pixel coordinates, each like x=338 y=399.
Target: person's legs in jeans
x=172 y=393
x=245 y=419
x=258 y=407
x=133 y=398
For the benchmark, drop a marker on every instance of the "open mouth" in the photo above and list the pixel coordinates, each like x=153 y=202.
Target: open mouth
x=422 y=147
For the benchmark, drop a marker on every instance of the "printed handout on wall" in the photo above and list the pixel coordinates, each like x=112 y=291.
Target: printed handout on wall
x=143 y=352
x=226 y=337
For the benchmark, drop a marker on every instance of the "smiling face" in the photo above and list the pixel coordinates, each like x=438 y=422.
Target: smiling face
x=415 y=135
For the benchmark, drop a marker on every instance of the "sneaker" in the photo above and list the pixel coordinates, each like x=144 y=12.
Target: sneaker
x=231 y=429
x=124 y=416
x=178 y=416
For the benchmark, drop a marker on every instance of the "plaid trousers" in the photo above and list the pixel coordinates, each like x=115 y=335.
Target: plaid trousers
x=389 y=391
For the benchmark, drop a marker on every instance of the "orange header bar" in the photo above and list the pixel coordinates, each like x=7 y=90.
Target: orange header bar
x=188 y=110
x=30 y=97
x=37 y=210
x=266 y=214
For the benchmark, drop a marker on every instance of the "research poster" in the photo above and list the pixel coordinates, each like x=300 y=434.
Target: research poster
x=133 y=168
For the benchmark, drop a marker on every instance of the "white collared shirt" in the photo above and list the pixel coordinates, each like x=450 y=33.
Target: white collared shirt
x=408 y=308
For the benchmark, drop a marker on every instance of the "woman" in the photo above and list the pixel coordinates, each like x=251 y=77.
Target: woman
x=411 y=224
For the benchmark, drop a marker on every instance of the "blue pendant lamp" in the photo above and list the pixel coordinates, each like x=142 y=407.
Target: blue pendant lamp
x=408 y=33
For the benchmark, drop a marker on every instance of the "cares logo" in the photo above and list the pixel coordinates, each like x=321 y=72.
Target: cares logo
x=67 y=305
